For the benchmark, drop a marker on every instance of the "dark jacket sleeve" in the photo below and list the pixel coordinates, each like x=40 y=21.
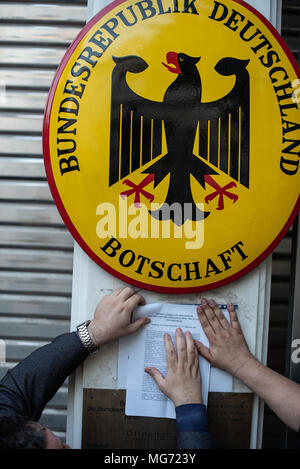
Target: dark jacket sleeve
x=192 y=427
x=26 y=389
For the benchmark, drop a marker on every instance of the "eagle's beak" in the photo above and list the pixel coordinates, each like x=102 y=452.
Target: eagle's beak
x=171 y=58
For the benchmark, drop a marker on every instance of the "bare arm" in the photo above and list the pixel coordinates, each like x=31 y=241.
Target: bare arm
x=229 y=351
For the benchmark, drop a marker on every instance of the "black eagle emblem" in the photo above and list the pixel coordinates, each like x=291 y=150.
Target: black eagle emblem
x=220 y=129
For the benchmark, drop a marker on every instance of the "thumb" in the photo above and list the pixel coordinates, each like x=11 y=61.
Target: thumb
x=203 y=351
x=136 y=325
x=156 y=375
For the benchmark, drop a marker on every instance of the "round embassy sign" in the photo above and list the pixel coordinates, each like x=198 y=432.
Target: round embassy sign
x=172 y=141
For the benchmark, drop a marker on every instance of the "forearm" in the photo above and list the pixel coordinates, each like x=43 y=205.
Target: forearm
x=279 y=393
x=26 y=389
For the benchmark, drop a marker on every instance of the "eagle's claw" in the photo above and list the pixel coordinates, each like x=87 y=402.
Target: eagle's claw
x=220 y=192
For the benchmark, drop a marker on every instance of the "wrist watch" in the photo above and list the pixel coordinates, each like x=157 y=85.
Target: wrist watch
x=85 y=337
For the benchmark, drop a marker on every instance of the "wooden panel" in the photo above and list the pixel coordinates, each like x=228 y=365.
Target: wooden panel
x=30 y=214
x=41 y=12
x=40 y=283
x=33 y=259
x=38 y=34
x=31 y=56
x=22 y=167
x=19 y=190
x=58 y=238
x=18 y=122
x=35 y=306
x=105 y=424
x=229 y=418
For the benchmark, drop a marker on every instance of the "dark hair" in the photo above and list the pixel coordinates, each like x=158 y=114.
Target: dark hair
x=18 y=433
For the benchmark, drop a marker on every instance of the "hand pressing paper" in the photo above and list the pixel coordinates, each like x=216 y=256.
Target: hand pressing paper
x=146 y=348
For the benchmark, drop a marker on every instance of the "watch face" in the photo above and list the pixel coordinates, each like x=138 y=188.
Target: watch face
x=171 y=141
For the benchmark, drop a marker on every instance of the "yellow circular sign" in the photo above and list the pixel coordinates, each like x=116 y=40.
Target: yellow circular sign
x=172 y=141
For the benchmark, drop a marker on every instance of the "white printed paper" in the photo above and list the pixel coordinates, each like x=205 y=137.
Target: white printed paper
x=146 y=348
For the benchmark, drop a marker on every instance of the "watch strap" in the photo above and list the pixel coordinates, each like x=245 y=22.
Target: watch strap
x=85 y=337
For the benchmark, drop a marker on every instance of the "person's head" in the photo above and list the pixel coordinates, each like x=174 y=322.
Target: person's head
x=19 y=433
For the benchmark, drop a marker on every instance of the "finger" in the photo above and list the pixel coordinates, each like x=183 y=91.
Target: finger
x=133 y=302
x=138 y=324
x=233 y=317
x=170 y=351
x=181 y=347
x=211 y=316
x=203 y=351
x=117 y=291
x=192 y=355
x=126 y=293
x=156 y=375
x=219 y=314
x=206 y=326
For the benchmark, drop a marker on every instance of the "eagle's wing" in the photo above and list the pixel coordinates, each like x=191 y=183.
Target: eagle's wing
x=224 y=124
x=136 y=127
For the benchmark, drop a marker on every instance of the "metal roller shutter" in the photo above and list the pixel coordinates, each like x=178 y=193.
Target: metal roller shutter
x=36 y=249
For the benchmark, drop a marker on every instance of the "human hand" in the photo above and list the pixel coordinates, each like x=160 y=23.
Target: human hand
x=112 y=318
x=228 y=349
x=182 y=383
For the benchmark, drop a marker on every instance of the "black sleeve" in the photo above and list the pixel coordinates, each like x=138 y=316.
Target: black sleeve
x=26 y=389
x=192 y=427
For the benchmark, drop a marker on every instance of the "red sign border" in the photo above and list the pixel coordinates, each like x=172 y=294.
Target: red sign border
x=60 y=205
